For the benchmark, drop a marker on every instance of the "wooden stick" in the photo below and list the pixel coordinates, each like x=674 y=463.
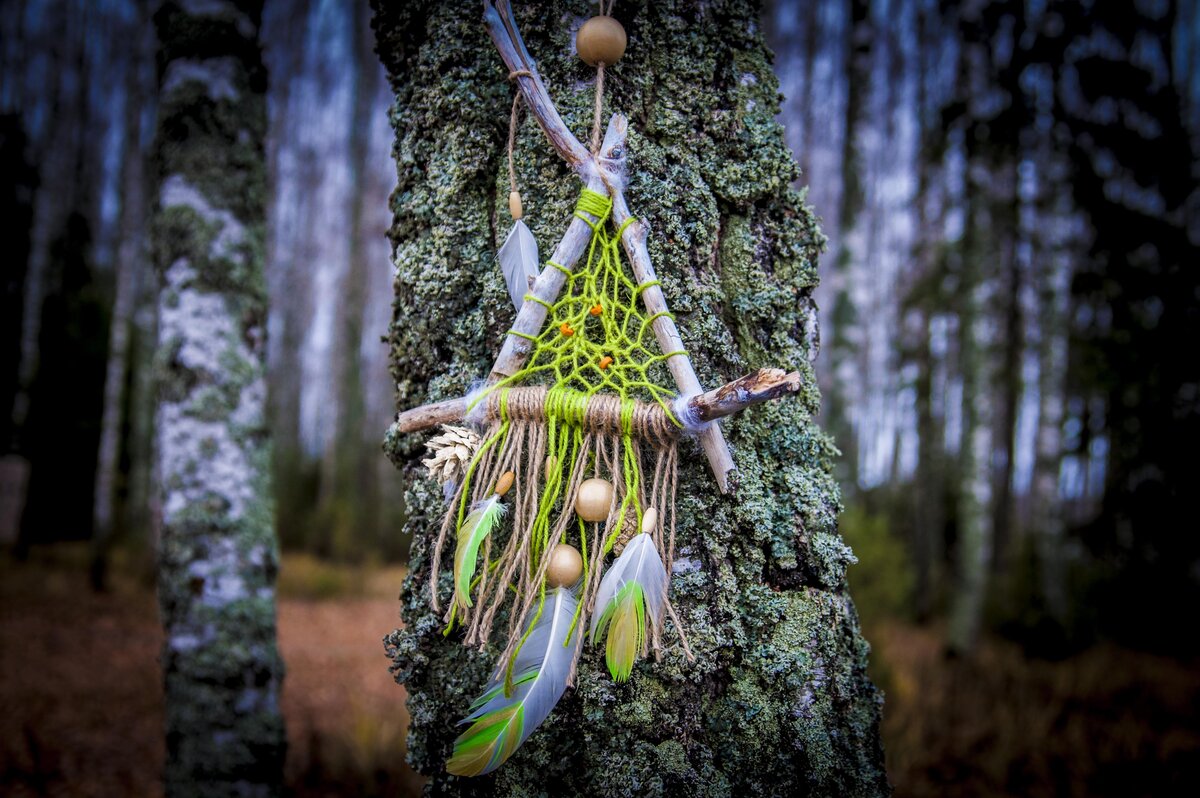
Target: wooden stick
x=734 y=397
x=508 y=41
x=606 y=171
x=634 y=240
x=516 y=348
x=761 y=386
x=448 y=412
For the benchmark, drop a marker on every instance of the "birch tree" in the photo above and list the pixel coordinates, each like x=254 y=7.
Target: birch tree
x=218 y=555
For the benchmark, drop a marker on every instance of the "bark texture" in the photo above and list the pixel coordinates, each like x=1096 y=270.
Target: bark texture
x=218 y=555
x=777 y=701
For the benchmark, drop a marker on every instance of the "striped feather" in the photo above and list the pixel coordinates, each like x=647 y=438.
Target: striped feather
x=500 y=724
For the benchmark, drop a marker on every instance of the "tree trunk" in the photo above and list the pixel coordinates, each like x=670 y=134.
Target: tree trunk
x=973 y=508
x=130 y=278
x=777 y=700
x=1006 y=230
x=218 y=555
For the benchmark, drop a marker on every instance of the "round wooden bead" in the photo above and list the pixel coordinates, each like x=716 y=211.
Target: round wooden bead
x=514 y=205
x=566 y=566
x=504 y=483
x=594 y=499
x=601 y=40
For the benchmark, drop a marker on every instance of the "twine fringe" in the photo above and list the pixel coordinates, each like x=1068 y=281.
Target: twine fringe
x=520 y=440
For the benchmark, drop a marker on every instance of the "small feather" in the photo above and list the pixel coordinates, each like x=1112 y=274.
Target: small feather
x=500 y=724
x=633 y=590
x=519 y=261
x=476 y=526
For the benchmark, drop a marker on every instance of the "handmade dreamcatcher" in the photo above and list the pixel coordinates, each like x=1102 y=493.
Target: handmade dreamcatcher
x=561 y=488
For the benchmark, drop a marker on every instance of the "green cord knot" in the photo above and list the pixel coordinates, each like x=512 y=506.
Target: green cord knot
x=596 y=204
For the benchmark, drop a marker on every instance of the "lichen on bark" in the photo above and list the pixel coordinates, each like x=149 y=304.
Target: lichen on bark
x=217 y=552
x=777 y=701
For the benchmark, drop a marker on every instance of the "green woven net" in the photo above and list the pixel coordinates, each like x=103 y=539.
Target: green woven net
x=597 y=336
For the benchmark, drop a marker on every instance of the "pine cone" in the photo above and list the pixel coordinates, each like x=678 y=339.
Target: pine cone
x=452 y=451
x=629 y=528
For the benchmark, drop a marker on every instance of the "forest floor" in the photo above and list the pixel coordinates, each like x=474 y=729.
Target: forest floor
x=81 y=702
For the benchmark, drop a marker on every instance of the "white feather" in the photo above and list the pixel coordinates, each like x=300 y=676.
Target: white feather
x=641 y=563
x=543 y=653
x=519 y=261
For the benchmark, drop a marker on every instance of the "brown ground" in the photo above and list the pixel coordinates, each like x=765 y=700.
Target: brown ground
x=1107 y=722
x=81 y=701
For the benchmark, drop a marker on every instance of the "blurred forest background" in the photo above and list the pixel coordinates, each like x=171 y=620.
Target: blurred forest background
x=1010 y=313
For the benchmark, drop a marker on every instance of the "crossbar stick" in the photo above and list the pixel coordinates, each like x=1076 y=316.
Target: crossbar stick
x=732 y=397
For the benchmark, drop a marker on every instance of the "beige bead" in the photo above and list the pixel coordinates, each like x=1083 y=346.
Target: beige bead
x=551 y=464
x=566 y=566
x=601 y=40
x=594 y=499
x=649 y=519
x=514 y=205
x=505 y=482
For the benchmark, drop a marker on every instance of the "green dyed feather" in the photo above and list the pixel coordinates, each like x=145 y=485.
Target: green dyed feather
x=476 y=526
x=500 y=723
x=625 y=620
x=634 y=587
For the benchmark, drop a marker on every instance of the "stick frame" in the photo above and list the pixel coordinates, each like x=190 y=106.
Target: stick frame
x=603 y=173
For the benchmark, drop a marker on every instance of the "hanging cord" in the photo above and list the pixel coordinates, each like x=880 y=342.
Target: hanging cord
x=596 y=112
x=599 y=87
x=512 y=126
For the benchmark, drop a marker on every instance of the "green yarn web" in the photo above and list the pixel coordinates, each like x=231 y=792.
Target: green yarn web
x=597 y=337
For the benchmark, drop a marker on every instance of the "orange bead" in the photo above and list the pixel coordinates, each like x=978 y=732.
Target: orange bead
x=565 y=329
x=605 y=362
x=597 y=309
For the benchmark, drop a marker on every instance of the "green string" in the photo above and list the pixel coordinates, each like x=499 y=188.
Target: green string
x=596 y=337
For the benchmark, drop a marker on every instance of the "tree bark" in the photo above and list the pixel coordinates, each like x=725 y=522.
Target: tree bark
x=218 y=555
x=973 y=545
x=778 y=700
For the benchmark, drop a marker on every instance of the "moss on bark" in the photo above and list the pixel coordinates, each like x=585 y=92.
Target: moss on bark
x=217 y=553
x=778 y=701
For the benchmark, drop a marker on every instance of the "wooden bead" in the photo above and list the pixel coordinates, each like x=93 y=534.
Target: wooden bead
x=514 y=205
x=601 y=40
x=649 y=519
x=504 y=483
x=566 y=566
x=551 y=464
x=593 y=499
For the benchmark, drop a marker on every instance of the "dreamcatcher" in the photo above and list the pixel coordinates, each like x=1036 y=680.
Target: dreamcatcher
x=561 y=489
